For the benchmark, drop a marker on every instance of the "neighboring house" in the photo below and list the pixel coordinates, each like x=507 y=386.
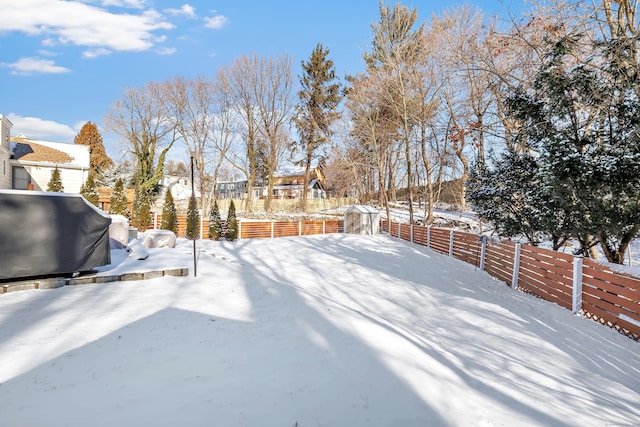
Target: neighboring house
x=289 y=184
x=5 y=152
x=231 y=189
x=32 y=162
x=180 y=187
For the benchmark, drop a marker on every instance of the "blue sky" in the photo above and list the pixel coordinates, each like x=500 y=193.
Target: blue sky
x=63 y=63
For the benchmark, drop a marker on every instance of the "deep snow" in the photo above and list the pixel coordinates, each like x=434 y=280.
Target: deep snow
x=332 y=330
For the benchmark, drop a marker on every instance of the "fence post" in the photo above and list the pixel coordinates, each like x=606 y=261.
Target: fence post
x=483 y=251
x=576 y=300
x=299 y=228
x=399 y=230
x=411 y=233
x=239 y=230
x=516 y=267
x=324 y=227
x=272 y=229
x=429 y=237
x=451 y=242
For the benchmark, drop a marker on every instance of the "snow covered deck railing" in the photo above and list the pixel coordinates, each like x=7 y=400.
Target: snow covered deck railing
x=580 y=285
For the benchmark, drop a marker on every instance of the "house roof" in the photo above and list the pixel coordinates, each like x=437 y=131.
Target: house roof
x=37 y=151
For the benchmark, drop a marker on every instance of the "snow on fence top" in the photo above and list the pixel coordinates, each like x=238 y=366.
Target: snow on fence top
x=581 y=285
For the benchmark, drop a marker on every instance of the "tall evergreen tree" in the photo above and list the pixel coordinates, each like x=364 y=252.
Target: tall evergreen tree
x=89 y=190
x=582 y=123
x=55 y=183
x=169 y=215
x=118 y=203
x=141 y=215
x=99 y=161
x=232 y=223
x=318 y=97
x=215 y=223
x=193 y=220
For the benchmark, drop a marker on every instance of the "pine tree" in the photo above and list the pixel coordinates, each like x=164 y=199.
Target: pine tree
x=55 y=183
x=581 y=121
x=232 y=223
x=319 y=97
x=118 y=201
x=193 y=220
x=89 y=190
x=169 y=215
x=215 y=223
x=141 y=215
x=99 y=161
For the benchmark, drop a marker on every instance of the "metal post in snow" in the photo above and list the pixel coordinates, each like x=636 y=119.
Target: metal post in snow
x=576 y=297
x=411 y=233
x=193 y=222
x=323 y=227
x=272 y=226
x=299 y=228
x=516 y=267
x=202 y=224
x=483 y=250
x=239 y=230
x=429 y=237
x=451 y=243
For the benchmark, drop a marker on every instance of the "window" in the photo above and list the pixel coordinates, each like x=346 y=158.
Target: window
x=21 y=178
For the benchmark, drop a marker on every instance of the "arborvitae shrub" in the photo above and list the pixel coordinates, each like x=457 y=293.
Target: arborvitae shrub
x=193 y=221
x=141 y=215
x=215 y=223
x=232 y=223
x=89 y=190
x=55 y=183
x=169 y=215
x=118 y=202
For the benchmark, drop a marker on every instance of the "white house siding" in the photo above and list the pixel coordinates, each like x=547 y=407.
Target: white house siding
x=72 y=179
x=73 y=173
x=5 y=153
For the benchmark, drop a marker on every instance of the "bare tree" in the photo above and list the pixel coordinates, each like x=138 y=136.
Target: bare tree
x=239 y=80
x=142 y=119
x=396 y=54
x=201 y=116
x=273 y=97
x=366 y=106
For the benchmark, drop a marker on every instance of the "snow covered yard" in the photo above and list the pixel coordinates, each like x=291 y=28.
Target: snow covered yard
x=329 y=330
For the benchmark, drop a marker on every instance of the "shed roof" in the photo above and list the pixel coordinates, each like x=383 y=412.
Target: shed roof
x=362 y=209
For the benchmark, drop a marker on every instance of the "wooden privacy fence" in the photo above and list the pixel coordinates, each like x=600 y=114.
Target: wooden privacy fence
x=263 y=229
x=578 y=284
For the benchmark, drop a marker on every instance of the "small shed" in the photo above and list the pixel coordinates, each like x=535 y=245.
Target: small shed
x=361 y=219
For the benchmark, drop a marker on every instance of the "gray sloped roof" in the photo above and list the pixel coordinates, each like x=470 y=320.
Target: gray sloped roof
x=362 y=209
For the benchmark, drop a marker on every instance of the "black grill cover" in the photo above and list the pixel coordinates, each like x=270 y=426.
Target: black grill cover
x=43 y=234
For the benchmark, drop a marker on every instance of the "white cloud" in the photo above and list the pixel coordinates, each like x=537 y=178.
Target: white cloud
x=216 y=22
x=134 y=4
x=94 y=53
x=27 y=66
x=166 y=50
x=186 y=10
x=81 y=24
x=34 y=127
x=44 y=52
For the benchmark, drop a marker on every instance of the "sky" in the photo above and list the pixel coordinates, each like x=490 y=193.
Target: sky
x=63 y=63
